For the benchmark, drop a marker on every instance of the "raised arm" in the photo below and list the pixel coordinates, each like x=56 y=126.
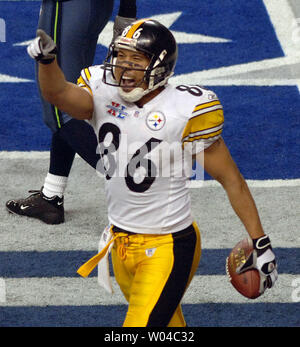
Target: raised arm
x=66 y=96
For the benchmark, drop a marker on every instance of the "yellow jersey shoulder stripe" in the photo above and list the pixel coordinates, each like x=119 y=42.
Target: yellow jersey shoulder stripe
x=204 y=125
x=211 y=132
x=209 y=107
x=205 y=105
x=204 y=137
x=203 y=122
x=87 y=73
x=82 y=83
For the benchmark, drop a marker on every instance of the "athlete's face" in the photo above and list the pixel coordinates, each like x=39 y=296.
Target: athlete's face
x=128 y=74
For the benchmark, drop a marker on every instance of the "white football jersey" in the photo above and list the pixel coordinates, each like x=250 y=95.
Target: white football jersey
x=146 y=152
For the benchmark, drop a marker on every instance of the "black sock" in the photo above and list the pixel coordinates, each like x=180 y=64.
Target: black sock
x=61 y=156
x=127 y=8
x=81 y=137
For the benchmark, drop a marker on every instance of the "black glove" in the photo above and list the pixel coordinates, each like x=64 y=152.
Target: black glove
x=42 y=48
x=263 y=259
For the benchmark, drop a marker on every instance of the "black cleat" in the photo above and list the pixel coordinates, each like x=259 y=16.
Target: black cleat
x=37 y=205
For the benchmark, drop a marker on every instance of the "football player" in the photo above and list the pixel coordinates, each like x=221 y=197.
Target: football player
x=75 y=25
x=136 y=114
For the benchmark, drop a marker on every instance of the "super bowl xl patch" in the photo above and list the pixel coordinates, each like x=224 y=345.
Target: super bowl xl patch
x=117 y=110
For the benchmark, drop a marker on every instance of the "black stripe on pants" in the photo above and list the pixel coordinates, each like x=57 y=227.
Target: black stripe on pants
x=184 y=246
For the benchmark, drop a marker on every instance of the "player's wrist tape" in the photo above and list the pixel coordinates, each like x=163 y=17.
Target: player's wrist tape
x=49 y=58
x=261 y=243
x=46 y=61
x=264 y=252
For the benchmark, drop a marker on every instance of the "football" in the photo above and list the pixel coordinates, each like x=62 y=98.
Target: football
x=248 y=282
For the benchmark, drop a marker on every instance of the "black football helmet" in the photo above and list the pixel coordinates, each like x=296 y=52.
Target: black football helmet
x=154 y=40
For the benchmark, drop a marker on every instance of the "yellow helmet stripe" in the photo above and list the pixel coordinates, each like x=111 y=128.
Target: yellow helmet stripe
x=135 y=26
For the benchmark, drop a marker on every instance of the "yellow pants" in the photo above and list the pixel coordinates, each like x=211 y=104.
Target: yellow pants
x=153 y=272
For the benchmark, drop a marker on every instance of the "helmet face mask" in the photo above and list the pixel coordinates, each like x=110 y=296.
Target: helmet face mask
x=111 y=64
x=153 y=40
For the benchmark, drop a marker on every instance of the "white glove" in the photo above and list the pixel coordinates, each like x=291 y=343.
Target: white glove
x=262 y=258
x=42 y=48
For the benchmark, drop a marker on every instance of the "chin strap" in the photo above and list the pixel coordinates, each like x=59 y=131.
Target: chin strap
x=137 y=93
x=133 y=96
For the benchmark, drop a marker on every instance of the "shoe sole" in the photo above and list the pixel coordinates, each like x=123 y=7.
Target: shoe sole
x=47 y=219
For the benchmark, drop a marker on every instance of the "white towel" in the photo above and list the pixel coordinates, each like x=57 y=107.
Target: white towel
x=103 y=265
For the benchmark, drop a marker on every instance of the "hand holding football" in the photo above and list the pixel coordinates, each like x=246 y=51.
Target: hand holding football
x=248 y=282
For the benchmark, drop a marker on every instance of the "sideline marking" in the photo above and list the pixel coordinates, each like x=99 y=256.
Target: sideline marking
x=285 y=23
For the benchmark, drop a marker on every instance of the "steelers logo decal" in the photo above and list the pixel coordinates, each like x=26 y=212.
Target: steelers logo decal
x=155 y=121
